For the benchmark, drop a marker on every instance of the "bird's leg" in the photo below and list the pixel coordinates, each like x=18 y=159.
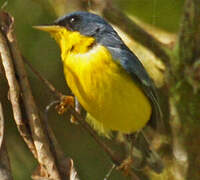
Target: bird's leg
x=125 y=166
x=78 y=109
x=70 y=101
x=76 y=106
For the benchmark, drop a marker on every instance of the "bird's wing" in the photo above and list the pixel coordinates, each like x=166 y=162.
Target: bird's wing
x=130 y=63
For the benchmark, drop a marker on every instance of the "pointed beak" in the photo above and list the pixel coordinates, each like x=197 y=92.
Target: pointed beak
x=48 y=28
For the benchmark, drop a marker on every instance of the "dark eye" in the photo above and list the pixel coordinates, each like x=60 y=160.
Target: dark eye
x=72 y=20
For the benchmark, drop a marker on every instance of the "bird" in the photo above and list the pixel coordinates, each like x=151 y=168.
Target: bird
x=105 y=76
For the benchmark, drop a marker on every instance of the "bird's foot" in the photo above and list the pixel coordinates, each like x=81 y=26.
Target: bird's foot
x=65 y=103
x=125 y=166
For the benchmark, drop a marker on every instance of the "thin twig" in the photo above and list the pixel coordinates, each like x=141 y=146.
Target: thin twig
x=14 y=93
x=66 y=165
x=45 y=81
x=109 y=172
x=5 y=170
x=114 y=157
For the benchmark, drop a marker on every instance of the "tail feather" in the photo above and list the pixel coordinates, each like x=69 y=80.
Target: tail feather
x=147 y=155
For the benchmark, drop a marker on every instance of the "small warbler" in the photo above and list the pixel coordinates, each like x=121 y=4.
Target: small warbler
x=106 y=77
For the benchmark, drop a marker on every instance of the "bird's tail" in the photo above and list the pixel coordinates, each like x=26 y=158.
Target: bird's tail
x=144 y=155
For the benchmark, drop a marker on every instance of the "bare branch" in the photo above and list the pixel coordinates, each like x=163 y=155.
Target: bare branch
x=45 y=81
x=5 y=171
x=44 y=154
x=113 y=155
x=189 y=35
x=14 y=92
x=65 y=164
x=53 y=163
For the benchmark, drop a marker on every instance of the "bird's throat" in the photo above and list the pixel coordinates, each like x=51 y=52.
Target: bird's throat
x=73 y=42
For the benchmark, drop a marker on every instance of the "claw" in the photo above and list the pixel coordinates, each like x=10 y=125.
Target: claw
x=125 y=166
x=64 y=105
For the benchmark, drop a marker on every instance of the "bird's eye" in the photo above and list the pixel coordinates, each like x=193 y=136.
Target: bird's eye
x=72 y=20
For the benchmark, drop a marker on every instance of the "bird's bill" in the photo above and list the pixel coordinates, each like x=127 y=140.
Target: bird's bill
x=48 y=28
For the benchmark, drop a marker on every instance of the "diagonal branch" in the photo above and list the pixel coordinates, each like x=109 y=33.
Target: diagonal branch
x=189 y=35
x=45 y=81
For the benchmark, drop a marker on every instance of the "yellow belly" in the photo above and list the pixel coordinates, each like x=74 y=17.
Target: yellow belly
x=106 y=91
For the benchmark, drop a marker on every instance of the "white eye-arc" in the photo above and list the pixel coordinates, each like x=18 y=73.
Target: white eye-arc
x=72 y=20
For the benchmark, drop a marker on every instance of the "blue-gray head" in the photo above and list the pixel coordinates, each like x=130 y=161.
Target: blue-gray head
x=86 y=23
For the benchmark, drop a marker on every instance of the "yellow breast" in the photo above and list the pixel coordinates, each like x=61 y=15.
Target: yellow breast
x=106 y=91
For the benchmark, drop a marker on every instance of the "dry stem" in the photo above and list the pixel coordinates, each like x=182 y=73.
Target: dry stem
x=44 y=155
x=53 y=163
x=14 y=93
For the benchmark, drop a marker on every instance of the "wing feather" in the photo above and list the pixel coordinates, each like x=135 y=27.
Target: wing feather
x=134 y=67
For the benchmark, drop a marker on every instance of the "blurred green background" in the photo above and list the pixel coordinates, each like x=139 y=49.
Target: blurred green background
x=43 y=53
